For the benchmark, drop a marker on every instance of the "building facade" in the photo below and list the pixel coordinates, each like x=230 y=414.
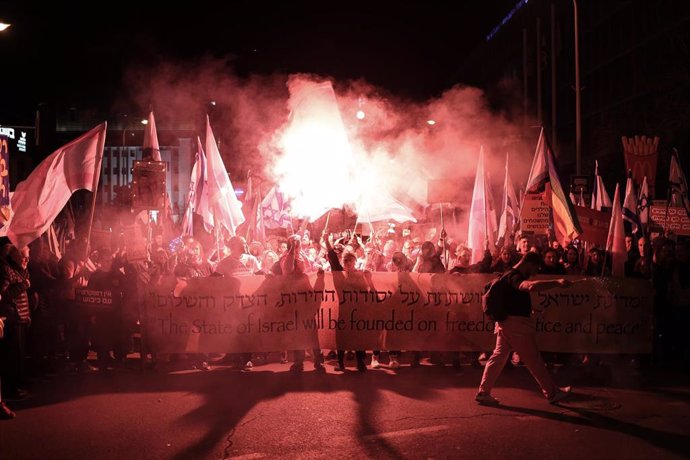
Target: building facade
x=634 y=62
x=118 y=163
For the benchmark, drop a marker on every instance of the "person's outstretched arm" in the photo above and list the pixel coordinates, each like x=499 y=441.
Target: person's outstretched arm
x=544 y=285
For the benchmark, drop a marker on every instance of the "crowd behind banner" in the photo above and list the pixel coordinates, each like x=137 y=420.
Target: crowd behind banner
x=58 y=310
x=65 y=297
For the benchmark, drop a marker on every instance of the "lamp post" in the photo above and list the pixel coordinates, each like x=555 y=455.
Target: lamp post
x=578 y=114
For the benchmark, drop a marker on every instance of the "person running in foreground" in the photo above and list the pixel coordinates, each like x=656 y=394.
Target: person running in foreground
x=516 y=333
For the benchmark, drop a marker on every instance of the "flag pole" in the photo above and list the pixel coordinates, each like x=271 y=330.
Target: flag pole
x=328 y=218
x=260 y=219
x=250 y=198
x=96 y=178
x=443 y=231
x=217 y=243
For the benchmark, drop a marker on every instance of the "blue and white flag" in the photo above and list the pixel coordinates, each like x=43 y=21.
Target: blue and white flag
x=276 y=210
x=643 y=203
x=633 y=225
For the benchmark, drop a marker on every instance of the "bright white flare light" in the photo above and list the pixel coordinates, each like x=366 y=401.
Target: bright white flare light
x=4 y=26
x=316 y=166
x=431 y=122
x=360 y=115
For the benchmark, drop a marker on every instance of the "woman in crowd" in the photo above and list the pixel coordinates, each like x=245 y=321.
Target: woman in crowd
x=572 y=262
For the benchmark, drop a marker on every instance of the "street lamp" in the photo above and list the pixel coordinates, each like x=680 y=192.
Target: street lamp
x=4 y=26
x=578 y=114
x=143 y=121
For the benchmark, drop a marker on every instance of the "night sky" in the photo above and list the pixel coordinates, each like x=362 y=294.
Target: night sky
x=74 y=56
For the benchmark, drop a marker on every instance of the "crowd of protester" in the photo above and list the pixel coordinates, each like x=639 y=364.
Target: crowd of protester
x=43 y=329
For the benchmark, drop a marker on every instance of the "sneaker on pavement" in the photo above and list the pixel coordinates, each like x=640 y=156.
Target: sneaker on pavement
x=393 y=363
x=375 y=364
x=561 y=394
x=486 y=399
x=319 y=369
x=205 y=366
x=5 y=412
x=339 y=368
x=249 y=365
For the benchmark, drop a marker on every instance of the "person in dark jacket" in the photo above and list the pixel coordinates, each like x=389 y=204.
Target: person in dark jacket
x=5 y=412
x=429 y=259
x=108 y=329
x=14 y=307
x=463 y=264
x=506 y=259
x=347 y=266
x=550 y=263
x=292 y=262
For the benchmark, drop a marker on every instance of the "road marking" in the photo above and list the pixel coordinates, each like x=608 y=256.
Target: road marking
x=410 y=432
x=250 y=456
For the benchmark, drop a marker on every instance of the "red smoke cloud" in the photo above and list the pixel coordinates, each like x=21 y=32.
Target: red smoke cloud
x=393 y=140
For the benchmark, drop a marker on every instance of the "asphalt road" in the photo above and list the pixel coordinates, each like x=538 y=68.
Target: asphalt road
x=269 y=412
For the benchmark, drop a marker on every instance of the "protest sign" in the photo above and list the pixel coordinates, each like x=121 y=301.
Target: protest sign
x=398 y=311
x=595 y=225
x=96 y=300
x=534 y=215
x=673 y=218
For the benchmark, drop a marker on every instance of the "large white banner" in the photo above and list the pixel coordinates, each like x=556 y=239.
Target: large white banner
x=394 y=311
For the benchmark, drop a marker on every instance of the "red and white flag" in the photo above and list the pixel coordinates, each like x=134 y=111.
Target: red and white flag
x=600 y=197
x=382 y=207
x=510 y=214
x=151 y=149
x=482 y=225
x=225 y=207
x=38 y=199
x=615 y=243
x=544 y=170
x=197 y=201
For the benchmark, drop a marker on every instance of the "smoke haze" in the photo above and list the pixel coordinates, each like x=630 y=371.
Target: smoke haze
x=393 y=147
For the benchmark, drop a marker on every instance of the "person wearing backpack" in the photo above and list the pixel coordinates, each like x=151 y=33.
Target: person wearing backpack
x=514 y=329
